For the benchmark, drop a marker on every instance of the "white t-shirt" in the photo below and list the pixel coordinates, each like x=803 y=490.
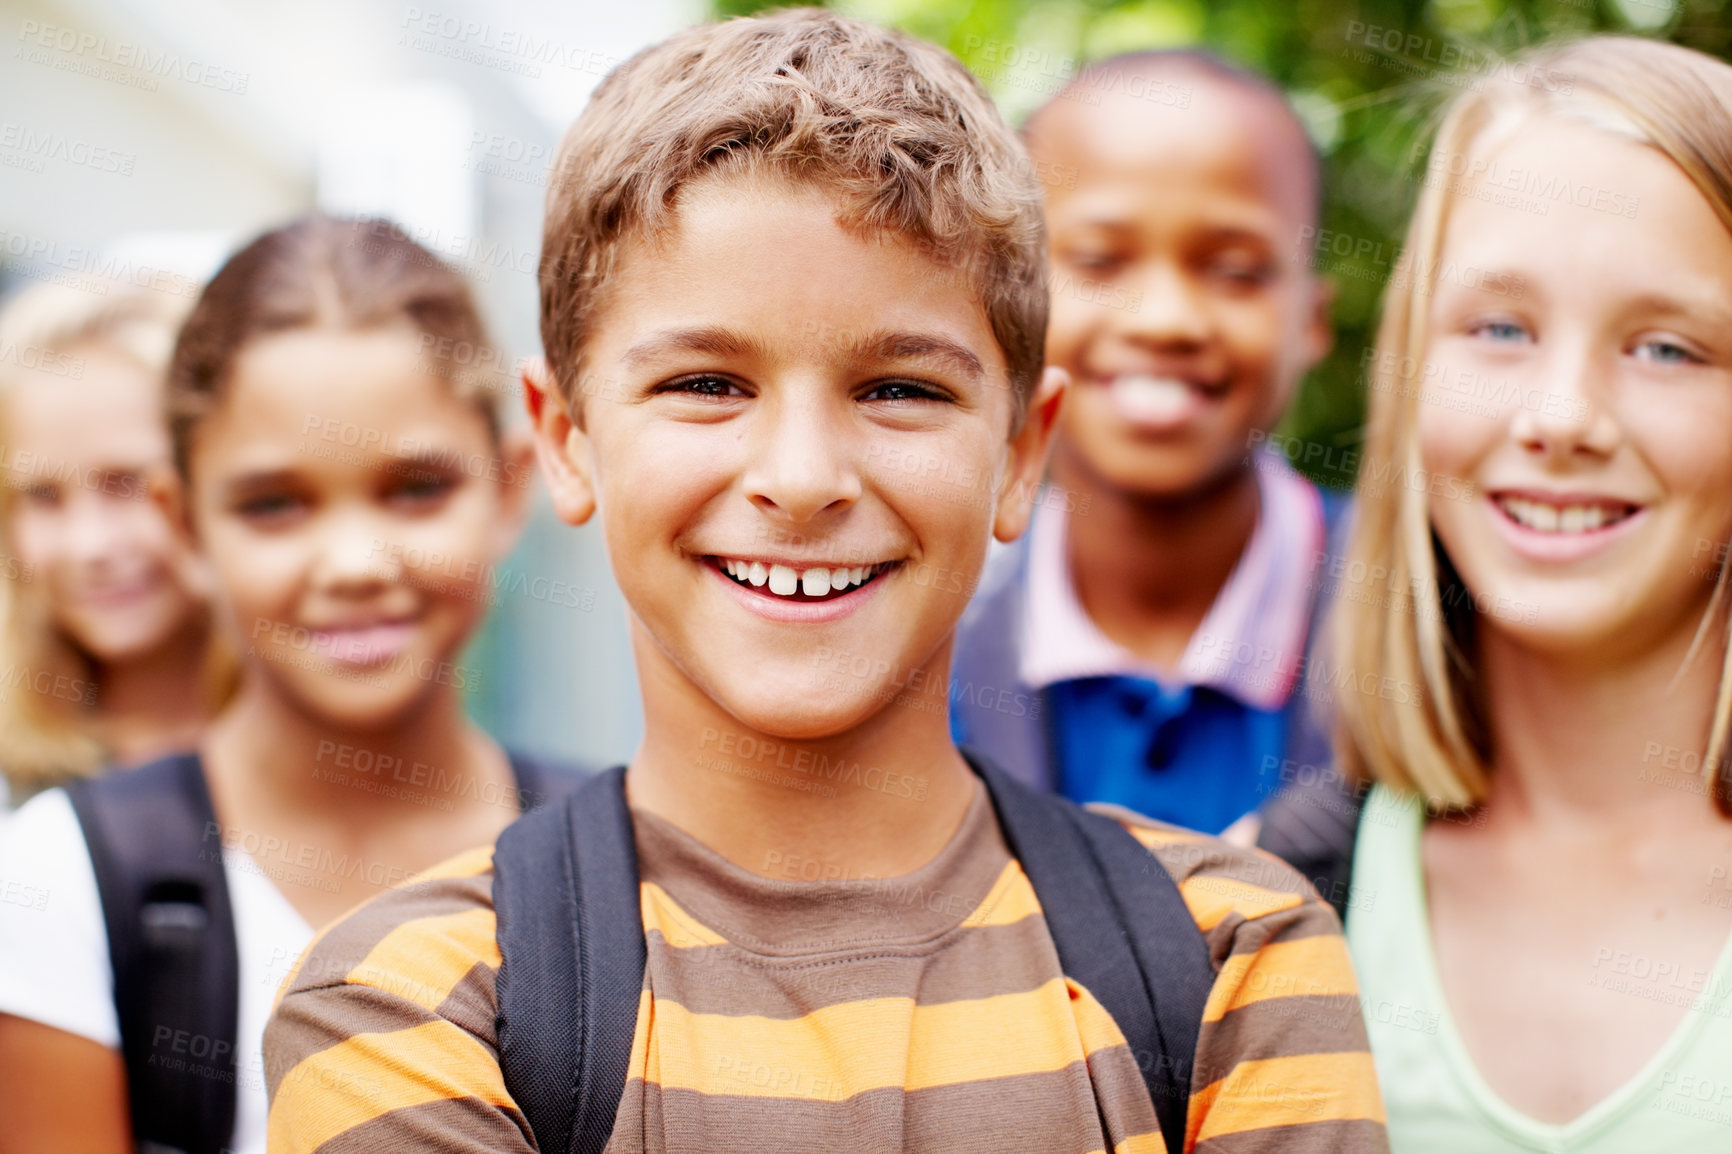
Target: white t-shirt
x=54 y=965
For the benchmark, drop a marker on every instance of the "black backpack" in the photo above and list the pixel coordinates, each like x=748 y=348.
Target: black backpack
x=156 y=848
x=1312 y=826
x=571 y=938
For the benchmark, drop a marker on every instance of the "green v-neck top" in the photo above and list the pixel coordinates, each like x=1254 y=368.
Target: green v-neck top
x=1437 y=1102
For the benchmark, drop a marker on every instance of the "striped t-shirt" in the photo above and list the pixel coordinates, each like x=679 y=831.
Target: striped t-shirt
x=923 y=1012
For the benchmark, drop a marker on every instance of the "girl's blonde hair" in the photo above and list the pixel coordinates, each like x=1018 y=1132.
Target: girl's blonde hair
x=1672 y=99
x=48 y=697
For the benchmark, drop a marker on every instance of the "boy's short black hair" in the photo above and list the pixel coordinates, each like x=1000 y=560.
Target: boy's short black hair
x=1119 y=73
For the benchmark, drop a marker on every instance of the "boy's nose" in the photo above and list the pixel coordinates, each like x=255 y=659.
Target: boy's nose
x=1171 y=311
x=800 y=460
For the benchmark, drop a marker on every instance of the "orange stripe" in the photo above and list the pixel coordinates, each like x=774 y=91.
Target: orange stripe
x=1010 y=900
x=1288 y=1091
x=422 y=960
x=1156 y=838
x=368 y=1075
x=838 y=1051
x=677 y=927
x=1202 y=1102
x=469 y=863
x=1306 y=967
x=1213 y=899
x=1094 y=1025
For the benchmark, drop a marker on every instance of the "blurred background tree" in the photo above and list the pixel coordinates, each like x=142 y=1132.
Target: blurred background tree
x=1367 y=76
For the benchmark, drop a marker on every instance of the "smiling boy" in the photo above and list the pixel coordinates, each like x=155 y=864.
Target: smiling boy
x=1157 y=616
x=783 y=254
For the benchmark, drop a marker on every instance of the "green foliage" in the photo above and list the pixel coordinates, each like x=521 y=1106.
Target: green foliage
x=1366 y=75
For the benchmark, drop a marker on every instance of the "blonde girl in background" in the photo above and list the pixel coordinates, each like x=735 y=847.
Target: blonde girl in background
x=104 y=627
x=1537 y=913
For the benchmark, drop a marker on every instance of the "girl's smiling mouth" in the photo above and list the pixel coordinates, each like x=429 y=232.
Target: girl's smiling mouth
x=1553 y=527
x=1569 y=515
x=362 y=645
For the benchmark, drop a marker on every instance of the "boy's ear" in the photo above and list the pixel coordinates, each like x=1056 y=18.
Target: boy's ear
x=561 y=447
x=1029 y=447
x=516 y=482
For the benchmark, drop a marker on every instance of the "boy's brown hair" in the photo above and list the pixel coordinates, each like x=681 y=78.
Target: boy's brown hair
x=899 y=131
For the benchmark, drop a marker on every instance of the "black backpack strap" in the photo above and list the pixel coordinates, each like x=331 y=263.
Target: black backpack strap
x=565 y=889
x=569 y=986
x=1307 y=723
x=1122 y=930
x=1312 y=819
x=157 y=852
x=540 y=781
x=1312 y=825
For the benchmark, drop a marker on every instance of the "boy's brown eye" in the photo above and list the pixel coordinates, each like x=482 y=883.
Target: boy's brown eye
x=269 y=507
x=702 y=387
x=905 y=391
x=1244 y=270
x=1095 y=262
x=46 y=496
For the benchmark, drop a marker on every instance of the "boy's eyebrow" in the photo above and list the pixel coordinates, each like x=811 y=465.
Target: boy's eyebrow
x=709 y=339
x=261 y=479
x=873 y=346
x=901 y=346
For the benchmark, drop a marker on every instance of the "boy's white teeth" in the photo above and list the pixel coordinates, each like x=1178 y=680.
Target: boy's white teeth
x=786 y=581
x=1155 y=398
x=1545 y=517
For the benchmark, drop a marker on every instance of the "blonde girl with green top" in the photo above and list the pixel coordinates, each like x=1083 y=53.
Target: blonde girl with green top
x=1539 y=916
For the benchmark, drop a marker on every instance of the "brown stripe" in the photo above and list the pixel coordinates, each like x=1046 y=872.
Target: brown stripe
x=777 y=917
x=1237 y=936
x=1122 y=1094
x=1052 y=1112
x=1216 y=859
x=309 y=1021
x=1279 y=1028
x=452 y=1126
x=1356 y=1137
x=1311 y=920
x=473 y=1004
x=347 y=943
x=975 y=963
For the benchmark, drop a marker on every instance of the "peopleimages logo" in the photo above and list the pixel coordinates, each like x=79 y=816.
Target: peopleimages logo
x=155 y=63
x=39 y=147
